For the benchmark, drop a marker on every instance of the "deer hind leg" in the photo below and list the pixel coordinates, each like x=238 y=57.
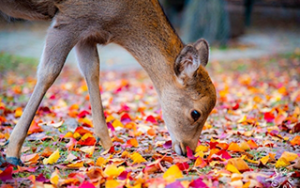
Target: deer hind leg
x=88 y=59
x=57 y=47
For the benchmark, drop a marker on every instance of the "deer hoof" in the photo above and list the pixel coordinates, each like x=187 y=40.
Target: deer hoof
x=97 y=139
x=14 y=161
x=6 y=143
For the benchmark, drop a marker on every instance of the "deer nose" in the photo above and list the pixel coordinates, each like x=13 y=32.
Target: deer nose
x=180 y=149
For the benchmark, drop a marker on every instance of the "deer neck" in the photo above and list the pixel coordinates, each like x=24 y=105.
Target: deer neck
x=156 y=49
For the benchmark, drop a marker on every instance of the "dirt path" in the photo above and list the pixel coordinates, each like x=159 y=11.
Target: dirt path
x=27 y=39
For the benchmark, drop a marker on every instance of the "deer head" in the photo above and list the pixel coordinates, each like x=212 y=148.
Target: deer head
x=187 y=103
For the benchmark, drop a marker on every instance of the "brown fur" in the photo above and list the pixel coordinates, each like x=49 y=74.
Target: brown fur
x=140 y=26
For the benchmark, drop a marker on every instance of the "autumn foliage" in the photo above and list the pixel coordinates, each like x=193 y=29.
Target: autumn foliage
x=251 y=138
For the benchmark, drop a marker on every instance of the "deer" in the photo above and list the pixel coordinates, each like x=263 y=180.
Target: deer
x=185 y=90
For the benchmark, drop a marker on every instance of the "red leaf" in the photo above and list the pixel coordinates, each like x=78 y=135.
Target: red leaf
x=236 y=106
x=123 y=175
x=83 y=113
x=190 y=154
x=90 y=141
x=124 y=108
x=198 y=183
x=87 y=184
x=82 y=131
x=224 y=154
x=151 y=119
x=269 y=117
x=41 y=178
x=111 y=127
x=6 y=174
x=183 y=166
x=125 y=118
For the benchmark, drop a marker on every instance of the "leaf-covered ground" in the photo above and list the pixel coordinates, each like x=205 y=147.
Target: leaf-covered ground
x=251 y=139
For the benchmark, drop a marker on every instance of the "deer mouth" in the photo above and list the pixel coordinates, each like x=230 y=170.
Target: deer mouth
x=180 y=149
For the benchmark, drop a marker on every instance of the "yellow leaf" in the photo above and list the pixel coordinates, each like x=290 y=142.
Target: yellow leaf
x=245 y=146
x=18 y=112
x=232 y=168
x=137 y=158
x=111 y=184
x=243 y=119
x=265 y=159
x=68 y=135
x=282 y=162
x=76 y=165
x=117 y=123
x=201 y=148
x=101 y=161
x=86 y=135
x=172 y=174
x=199 y=154
x=113 y=171
x=125 y=154
x=76 y=135
x=110 y=118
x=54 y=177
x=52 y=158
x=289 y=156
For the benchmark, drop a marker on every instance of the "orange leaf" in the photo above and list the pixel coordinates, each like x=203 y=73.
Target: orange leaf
x=265 y=159
x=132 y=143
x=151 y=132
x=34 y=128
x=47 y=152
x=296 y=140
x=200 y=163
x=239 y=164
x=101 y=161
x=75 y=165
x=252 y=144
x=30 y=159
x=235 y=147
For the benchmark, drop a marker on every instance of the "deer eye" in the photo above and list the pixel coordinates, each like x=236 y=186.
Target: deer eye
x=195 y=115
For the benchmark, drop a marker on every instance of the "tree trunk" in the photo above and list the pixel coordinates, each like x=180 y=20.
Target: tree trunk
x=205 y=19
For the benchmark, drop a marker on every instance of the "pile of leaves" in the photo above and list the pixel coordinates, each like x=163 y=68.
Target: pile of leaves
x=251 y=139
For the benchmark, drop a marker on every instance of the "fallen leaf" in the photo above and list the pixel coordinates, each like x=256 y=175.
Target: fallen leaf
x=52 y=158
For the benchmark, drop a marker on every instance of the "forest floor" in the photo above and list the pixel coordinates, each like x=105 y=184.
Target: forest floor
x=251 y=138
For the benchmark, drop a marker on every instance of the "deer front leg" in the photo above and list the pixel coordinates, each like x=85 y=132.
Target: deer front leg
x=58 y=45
x=88 y=59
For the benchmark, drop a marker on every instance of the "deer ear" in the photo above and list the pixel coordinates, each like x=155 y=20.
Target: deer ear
x=203 y=48
x=189 y=60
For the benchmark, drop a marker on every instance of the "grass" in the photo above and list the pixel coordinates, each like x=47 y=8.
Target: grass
x=21 y=65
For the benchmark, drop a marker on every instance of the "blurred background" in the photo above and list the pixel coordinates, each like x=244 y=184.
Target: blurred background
x=235 y=29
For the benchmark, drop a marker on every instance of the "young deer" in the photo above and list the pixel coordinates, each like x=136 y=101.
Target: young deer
x=186 y=92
